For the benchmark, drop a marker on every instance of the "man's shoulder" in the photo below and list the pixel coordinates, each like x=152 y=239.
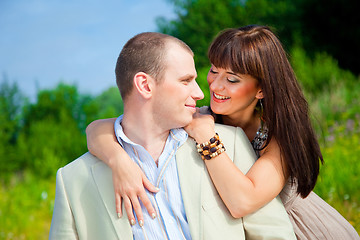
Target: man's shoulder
x=229 y=132
x=223 y=127
x=80 y=167
x=236 y=144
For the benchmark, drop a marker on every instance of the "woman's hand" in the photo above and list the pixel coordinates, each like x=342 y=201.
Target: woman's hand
x=129 y=186
x=202 y=126
x=129 y=181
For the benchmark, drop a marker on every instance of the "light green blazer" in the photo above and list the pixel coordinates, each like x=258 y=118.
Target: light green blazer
x=85 y=201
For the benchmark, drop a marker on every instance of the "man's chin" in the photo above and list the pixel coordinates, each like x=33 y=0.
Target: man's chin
x=184 y=123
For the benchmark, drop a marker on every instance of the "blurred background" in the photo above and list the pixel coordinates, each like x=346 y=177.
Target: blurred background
x=57 y=62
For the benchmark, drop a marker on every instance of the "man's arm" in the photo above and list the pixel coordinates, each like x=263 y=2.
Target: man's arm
x=62 y=224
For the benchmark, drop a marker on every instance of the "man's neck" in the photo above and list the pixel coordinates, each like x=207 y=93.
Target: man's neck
x=142 y=130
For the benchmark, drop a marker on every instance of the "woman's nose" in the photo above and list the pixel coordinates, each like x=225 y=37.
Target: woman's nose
x=216 y=84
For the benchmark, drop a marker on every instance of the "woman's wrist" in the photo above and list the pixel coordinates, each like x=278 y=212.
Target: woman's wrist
x=211 y=148
x=204 y=135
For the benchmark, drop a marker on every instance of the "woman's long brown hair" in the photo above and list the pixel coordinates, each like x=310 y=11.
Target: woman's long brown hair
x=255 y=50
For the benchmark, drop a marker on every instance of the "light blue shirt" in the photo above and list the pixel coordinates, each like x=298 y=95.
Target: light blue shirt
x=171 y=222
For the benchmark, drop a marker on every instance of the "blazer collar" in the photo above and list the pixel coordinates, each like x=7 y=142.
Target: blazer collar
x=190 y=171
x=103 y=179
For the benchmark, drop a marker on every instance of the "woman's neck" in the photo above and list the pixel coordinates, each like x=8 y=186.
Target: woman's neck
x=248 y=122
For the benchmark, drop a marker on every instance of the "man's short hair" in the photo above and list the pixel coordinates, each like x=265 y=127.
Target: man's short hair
x=145 y=52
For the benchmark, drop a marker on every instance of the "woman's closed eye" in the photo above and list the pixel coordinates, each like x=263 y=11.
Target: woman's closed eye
x=232 y=80
x=213 y=71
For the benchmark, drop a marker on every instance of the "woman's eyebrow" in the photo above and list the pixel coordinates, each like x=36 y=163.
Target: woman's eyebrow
x=232 y=73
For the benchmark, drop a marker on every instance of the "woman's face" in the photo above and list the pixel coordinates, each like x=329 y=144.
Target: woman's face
x=232 y=94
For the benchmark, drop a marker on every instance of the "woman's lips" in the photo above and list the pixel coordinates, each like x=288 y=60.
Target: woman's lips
x=219 y=98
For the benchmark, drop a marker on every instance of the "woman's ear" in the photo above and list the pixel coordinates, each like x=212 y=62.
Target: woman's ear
x=259 y=94
x=143 y=84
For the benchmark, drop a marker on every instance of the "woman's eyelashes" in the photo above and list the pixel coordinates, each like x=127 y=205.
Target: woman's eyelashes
x=232 y=80
x=213 y=71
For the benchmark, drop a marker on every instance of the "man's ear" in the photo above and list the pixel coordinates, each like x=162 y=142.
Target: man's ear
x=259 y=94
x=143 y=84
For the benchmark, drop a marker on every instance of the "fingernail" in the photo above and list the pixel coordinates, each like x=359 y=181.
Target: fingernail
x=119 y=215
x=132 y=222
x=157 y=189
x=141 y=223
x=153 y=215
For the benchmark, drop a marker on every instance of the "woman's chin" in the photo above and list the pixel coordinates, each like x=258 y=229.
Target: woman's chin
x=215 y=108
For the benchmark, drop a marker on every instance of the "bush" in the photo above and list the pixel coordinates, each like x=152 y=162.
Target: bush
x=339 y=180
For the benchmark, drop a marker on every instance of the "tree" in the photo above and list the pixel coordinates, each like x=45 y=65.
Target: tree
x=11 y=104
x=317 y=25
x=199 y=21
x=107 y=105
x=52 y=135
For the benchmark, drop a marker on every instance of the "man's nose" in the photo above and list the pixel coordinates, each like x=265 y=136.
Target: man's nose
x=197 y=93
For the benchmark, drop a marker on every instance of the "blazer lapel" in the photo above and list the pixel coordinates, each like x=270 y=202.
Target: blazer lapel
x=190 y=171
x=103 y=179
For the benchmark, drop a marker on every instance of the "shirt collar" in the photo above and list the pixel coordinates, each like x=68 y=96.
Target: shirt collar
x=177 y=134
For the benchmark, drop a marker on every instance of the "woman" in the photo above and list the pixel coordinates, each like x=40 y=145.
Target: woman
x=252 y=86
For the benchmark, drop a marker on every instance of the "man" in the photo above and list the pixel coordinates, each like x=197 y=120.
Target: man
x=156 y=77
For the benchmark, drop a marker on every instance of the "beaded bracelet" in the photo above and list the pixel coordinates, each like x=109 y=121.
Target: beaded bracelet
x=211 y=148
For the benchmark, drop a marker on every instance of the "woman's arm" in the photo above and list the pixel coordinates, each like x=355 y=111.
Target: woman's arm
x=242 y=194
x=129 y=181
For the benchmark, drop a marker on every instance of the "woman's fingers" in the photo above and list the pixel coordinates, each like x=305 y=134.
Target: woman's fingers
x=147 y=203
x=137 y=209
x=148 y=185
x=118 y=204
x=128 y=209
x=132 y=204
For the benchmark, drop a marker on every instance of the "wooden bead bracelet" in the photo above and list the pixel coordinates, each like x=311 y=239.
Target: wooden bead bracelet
x=211 y=148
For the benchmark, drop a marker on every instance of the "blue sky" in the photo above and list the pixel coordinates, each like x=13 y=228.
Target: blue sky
x=43 y=42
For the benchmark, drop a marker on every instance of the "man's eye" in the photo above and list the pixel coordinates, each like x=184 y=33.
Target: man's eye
x=186 y=82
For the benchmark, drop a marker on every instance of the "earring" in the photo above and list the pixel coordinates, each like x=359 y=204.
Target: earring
x=261 y=113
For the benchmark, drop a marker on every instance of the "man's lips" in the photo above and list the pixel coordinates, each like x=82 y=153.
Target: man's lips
x=190 y=106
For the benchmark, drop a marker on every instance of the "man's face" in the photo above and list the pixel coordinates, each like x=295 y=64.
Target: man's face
x=175 y=97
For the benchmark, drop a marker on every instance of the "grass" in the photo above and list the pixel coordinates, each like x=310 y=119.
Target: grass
x=339 y=181
x=26 y=205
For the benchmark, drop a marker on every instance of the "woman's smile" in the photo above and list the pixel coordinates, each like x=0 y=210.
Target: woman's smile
x=220 y=97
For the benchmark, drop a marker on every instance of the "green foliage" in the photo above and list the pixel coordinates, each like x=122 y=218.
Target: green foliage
x=198 y=22
x=11 y=102
x=51 y=136
x=201 y=80
x=107 y=105
x=49 y=133
x=339 y=181
x=318 y=74
x=334 y=100
x=26 y=205
x=319 y=25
